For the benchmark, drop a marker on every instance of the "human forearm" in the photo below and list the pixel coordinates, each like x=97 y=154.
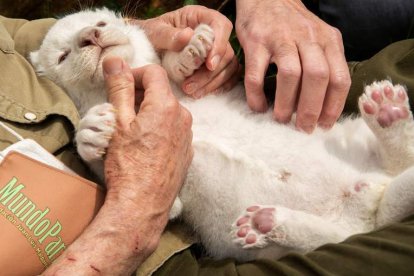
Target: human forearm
x=118 y=240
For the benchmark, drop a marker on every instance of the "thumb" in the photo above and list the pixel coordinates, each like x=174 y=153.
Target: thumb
x=120 y=89
x=167 y=37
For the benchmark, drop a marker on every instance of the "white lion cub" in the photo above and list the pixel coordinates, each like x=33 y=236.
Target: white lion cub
x=255 y=188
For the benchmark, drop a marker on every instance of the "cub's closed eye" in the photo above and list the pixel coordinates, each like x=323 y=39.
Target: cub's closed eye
x=101 y=24
x=63 y=57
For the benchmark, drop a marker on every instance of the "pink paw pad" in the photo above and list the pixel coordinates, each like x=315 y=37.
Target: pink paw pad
x=255 y=223
x=388 y=103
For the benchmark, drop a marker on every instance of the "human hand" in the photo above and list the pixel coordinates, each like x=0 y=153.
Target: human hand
x=151 y=150
x=145 y=167
x=173 y=30
x=313 y=76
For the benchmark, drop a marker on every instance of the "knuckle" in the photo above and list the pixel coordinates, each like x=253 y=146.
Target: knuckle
x=330 y=115
x=117 y=86
x=335 y=35
x=248 y=31
x=341 y=81
x=289 y=71
x=286 y=50
x=318 y=72
x=226 y=23
x=253 y=81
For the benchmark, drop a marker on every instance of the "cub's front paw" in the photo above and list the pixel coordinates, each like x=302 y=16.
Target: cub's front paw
x=195 y=53
x=95 y=131
x=183 y=64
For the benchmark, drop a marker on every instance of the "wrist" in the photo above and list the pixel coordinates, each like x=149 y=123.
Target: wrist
x=117 y=241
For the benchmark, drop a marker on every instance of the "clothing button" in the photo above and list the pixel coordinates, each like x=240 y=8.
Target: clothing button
x=30 y=116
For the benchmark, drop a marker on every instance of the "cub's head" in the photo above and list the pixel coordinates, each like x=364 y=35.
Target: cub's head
x=72 y=52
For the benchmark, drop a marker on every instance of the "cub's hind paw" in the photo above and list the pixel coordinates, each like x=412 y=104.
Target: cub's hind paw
x=253 y=227
x=384 y=104
x=95 y=131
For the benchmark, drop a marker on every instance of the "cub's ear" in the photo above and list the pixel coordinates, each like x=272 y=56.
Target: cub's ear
x=34 y=59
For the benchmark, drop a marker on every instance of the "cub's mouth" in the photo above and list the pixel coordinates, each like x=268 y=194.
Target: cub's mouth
x=96 y=44
x=125 y=51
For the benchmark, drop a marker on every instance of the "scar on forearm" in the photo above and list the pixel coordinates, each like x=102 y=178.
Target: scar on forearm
x=94 y=268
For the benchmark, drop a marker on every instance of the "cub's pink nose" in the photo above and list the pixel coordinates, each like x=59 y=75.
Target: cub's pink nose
x=88 y=36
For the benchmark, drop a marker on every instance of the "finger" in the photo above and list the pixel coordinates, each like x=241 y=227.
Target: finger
x=119 y=84
x=338 y=87
x=315 y=78
x=154 y=80
x=222 y=30
x=165 y=36
x=288 y=80
x=233 y=80
x=203 y=78
x=256 y=62
x=217 y=84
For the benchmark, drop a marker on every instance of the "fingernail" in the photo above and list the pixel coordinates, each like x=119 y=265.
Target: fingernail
x=214 y=62
x=325 y=125
x=307 y=128
x=190 y=87
x=113 y=66
x=259 y=105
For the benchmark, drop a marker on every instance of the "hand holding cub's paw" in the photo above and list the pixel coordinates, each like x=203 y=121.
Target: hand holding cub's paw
x=95 y=132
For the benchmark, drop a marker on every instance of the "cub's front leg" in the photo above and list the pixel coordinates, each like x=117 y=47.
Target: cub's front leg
x=93 y=135
x=262 y=226
x=180 y=65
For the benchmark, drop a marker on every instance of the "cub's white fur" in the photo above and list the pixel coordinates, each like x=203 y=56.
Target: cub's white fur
x=314 y=189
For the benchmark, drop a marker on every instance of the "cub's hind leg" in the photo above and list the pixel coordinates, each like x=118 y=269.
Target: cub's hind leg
x=397 y=201
x=386 y=110
x=262 y=226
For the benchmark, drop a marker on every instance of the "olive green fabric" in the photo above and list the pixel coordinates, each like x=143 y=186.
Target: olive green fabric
x=386 y=252
x=389 y=251
x=33 y=106
x=395 y=62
